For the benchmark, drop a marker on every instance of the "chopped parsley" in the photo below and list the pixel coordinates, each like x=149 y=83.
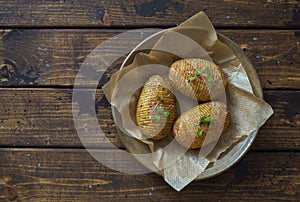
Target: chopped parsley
x=191 y=78
x=210 y=79
x=166 y=113
x=205 y=119
x=199 y=132
x=156 y=117
x=158 y=110
x=206 y=70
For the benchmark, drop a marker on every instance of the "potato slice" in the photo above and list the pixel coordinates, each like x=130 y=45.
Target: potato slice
x=198 y=78
x=156 y=111
x=205 y=121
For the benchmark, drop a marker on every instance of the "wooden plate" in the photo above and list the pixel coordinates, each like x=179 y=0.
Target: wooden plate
x=136 y=147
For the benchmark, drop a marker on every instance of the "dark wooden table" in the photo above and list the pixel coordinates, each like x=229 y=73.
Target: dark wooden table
x=43 y=44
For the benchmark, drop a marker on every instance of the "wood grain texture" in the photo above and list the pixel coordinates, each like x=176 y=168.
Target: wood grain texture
x=68 y=175
x=51 y=164
x=110 y=13
x=275 y=55
x=43 y=118
x=54 y=57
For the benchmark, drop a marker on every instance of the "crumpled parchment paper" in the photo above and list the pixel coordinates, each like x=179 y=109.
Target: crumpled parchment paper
x=248 y=112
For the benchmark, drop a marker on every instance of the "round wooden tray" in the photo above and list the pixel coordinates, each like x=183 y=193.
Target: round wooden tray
x=137 y=147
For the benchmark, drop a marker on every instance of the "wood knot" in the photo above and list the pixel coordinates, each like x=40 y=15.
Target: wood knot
x=290 y=189
x=6 y=71
x=10 y=193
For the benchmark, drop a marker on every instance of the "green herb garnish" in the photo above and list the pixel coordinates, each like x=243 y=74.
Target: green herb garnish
x=158 y=110
x=166 y=113
x=198 y=72
x=156 y=117
x=210 y=79
x=206 y=70
x=191 y=78
x=205 y=119
x=199 y=132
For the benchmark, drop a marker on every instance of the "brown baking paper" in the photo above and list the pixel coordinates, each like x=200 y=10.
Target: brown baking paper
x=248 y=112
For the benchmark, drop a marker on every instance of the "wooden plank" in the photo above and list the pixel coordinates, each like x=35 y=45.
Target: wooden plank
x=54 y=57
x=286 y=115
x=275 y=54
x=68 y=175
x=43 y=118
x=109 y=13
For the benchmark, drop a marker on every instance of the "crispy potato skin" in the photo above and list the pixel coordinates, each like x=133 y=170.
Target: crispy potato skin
x=156 y=111
x=199 y=79
x=186 y=126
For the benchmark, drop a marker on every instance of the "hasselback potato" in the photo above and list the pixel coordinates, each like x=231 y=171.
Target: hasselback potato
x=198 y=78
x=205 y=121
x=156 y=111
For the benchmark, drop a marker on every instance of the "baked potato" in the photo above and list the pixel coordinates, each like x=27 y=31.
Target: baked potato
x=156 y=110
x=205 y=121
x=199 y=79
